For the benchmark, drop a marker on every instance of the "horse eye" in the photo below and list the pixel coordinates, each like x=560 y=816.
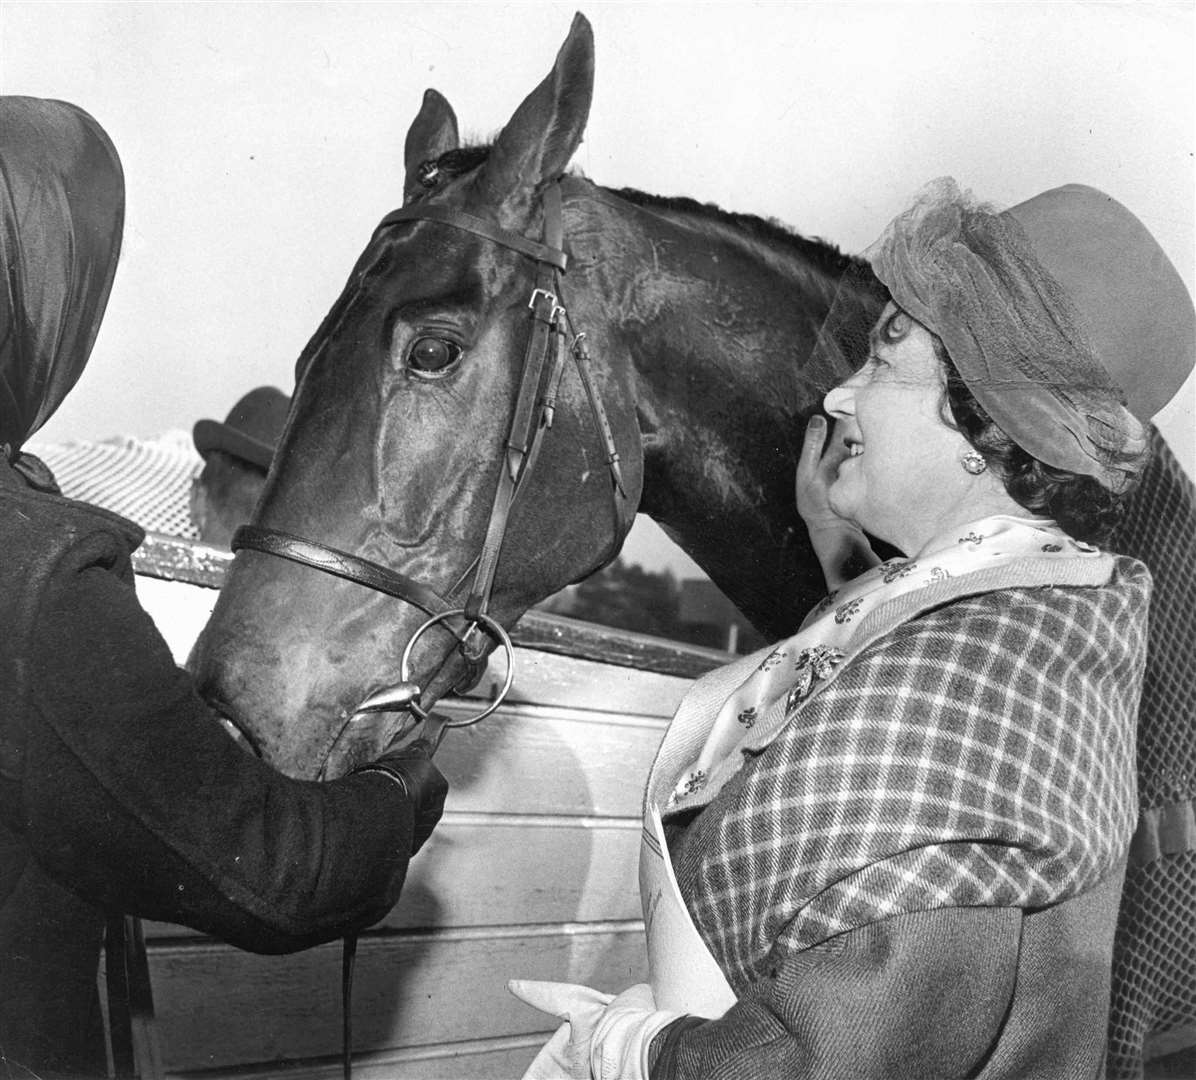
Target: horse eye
x=432 y=354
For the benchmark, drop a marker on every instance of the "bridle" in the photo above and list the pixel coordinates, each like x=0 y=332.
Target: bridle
x=551 y=342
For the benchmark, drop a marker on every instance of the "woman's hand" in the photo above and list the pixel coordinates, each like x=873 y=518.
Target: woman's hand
x=602 y=1038
x=566 y=1056
x=840 y=545
x=816 y=470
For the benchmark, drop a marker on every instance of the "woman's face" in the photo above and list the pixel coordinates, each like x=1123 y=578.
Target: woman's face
x=903 y=480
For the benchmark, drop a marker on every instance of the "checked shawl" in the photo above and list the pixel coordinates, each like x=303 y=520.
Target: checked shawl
x=981 y=753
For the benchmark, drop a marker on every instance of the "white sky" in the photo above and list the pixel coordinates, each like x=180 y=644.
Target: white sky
x=262 y=142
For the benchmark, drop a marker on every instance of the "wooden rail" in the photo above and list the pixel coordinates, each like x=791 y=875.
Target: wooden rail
x=172 y=559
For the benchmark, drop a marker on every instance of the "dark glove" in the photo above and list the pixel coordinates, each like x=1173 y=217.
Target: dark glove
x=412 y=768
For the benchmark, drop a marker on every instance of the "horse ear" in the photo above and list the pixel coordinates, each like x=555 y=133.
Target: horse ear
x=432 y=133
x=546 y=130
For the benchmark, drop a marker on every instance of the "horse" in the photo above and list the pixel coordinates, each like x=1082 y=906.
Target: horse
x=450 y=459
x=699 y=327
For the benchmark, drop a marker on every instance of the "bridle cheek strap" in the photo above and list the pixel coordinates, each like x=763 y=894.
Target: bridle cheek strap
x=523 y=440
x=624 y=513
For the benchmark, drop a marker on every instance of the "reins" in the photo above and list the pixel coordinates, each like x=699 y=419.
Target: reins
x=551 y=343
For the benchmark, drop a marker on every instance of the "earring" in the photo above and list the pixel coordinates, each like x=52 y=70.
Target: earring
x=973 y=463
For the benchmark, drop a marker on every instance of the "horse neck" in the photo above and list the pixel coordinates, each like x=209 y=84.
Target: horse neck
x=719 y=327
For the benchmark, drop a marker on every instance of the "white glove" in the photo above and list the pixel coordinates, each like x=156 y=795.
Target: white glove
x=566 y=1056
x=619 y=1045
x=603 y=1038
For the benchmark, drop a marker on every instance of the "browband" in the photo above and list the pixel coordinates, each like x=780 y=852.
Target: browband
x=458 y=219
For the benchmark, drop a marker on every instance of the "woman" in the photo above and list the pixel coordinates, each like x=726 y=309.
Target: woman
x=119 y=791
x=901 y=834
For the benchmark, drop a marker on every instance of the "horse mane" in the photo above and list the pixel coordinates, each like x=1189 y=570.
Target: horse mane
x=767 y=231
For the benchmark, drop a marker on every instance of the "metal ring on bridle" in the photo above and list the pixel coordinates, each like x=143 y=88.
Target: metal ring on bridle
x=493 y=629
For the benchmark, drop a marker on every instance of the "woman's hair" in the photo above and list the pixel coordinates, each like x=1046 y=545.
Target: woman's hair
x=1082 y=507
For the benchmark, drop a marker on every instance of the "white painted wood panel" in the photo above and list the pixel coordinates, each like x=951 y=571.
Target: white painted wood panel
x=530 y=760
x=218 y=1007
x=492 y=872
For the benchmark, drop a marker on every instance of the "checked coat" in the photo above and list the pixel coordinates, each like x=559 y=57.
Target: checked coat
x=914 y=869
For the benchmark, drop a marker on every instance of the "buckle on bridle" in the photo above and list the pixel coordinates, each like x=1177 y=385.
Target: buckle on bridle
x=555 y=309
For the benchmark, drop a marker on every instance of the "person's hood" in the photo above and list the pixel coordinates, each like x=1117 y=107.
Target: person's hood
x=62 y=205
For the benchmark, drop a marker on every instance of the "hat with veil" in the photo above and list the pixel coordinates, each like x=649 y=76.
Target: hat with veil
x=1063 y=316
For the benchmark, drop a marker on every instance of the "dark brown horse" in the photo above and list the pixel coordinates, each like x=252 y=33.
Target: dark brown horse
x=699 y=326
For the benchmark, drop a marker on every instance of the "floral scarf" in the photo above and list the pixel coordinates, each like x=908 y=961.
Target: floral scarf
x=796 y=665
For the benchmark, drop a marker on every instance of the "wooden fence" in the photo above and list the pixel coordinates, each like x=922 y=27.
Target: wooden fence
x=531 y=872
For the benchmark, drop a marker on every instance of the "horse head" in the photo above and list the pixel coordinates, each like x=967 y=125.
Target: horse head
x=398 y=441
